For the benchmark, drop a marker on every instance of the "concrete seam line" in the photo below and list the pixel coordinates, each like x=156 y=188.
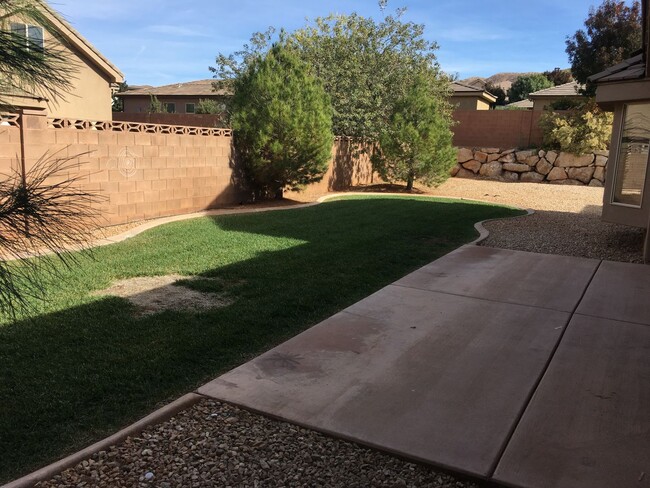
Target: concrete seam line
x=484 y=233
x=158 y=416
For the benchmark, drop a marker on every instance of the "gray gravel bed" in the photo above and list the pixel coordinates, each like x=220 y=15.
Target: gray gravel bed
x=570 y=234
x=214 y=444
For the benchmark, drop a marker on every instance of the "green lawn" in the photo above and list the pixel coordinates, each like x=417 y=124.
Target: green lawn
x=85 y=366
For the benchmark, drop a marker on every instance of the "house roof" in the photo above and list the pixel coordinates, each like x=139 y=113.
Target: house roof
x=525 y=103
x=630 y=69
x=463 y=90
x=83 y=45
x=566 y=90
x=201 y=88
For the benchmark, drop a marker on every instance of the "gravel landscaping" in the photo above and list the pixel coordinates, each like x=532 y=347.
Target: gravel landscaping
x=215 y=444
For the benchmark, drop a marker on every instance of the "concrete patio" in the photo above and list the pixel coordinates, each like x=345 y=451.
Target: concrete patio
x=529 y=370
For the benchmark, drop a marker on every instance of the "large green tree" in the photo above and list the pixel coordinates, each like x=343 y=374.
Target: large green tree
x=417 y=141
x=363 y=64
x=527 y=84
x=612 y=33
x=282 y=122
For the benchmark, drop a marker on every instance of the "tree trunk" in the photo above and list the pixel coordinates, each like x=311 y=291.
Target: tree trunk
x=279 y=193
x=409 y=184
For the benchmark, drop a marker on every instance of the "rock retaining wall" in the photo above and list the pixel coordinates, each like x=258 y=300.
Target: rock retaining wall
x=532 y=166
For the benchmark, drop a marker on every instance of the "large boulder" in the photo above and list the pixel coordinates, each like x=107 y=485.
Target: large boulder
x=596 y=183
x=581 y=174
x=510 y=176
x=522 y=155
x=557 y=174
x=493 y=157
x=551 y=156
x=599 y=173
x=543 y=167
x=492 y=170
x=531 y=177
x=480 y=156
x=516 y=167
x=600 y=160
x=532 y=160
x=465 y=173
x=465 y=154
x=507 y=158
x=472 y=165
x=454 y=171
x=568 y=160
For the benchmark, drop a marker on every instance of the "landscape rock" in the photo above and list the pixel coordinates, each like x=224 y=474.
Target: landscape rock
x=557 y=174
x=596 y=183
x=581 y=174
x=491 y=170
x=543 y=167
x=490 y=150
x=532 y=160
x=568 y=182
x=522 y=155
x=480 y=156
x=508 y=151
x=472 y=165
x=510 y=176
x=531 y=177
x=551 y=156
x=566 y=160
x=507 y=158
x=454 y=171
x=600 y=160
x=541 y=153
x=599 y=173
x=465 y=155
x=516 y=167
x=465 y=173
x=602 y=153
x=493 y=157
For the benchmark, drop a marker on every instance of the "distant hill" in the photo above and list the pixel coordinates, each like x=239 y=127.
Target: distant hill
x=504 y=80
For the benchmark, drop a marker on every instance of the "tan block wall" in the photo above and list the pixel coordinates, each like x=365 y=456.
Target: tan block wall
x=497 y=128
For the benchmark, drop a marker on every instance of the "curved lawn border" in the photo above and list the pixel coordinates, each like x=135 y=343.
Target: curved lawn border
x=215 y=212
x=188 y=400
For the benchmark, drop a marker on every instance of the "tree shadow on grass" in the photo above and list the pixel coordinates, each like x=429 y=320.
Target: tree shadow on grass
x=73 y=376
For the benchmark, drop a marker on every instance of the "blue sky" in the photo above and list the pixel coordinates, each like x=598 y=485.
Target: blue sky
x=158 y=42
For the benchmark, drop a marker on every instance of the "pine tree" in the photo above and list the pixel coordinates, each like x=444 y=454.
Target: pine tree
x=417 y=144
x=282 y=122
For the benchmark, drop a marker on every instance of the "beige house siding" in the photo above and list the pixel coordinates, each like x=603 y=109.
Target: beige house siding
x=92 y=80
x=543 y=103
x=140 y=104
x=469 y=103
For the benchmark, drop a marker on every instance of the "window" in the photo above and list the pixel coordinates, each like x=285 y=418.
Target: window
x=170 y=108
x=632 y=161
x=33 y=35
x=190 y=108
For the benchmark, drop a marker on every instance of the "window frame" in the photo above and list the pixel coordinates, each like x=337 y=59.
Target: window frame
x=193 y=105
x=24 y=30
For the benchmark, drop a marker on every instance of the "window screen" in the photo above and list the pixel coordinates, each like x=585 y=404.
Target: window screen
x=190 y=108
x=632 y=161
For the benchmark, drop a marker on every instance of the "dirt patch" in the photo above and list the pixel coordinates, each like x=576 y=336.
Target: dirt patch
x=154 y=294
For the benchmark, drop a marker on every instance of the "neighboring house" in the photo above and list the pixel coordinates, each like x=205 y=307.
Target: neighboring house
x=93 y=80
x=521 y=105
x=543 y=99
x=625 y=90
x=179 y=98
x=467 y=97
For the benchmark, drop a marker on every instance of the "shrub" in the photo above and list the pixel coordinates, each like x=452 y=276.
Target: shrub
x=417 y=141
x=209 y=106
x=282 y=122
x=579 y=131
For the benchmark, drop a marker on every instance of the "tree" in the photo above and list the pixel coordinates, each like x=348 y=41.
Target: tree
x=43 y=209
x=43 y=71
x=282 y=123
x=156 y=106
x=525 y=85
x=118 y=102
x=497 y=91
x=417 y=143
x=559 y=76
x=364 y=65
x=613 y=33
x=209 y=106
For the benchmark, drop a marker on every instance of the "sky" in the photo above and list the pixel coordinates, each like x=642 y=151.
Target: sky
x=158 y=42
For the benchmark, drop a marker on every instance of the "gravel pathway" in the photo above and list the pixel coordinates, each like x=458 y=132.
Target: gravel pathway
x=217 y=445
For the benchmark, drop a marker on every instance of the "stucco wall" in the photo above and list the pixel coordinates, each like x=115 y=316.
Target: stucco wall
x=497 y=128
x=140 y=104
